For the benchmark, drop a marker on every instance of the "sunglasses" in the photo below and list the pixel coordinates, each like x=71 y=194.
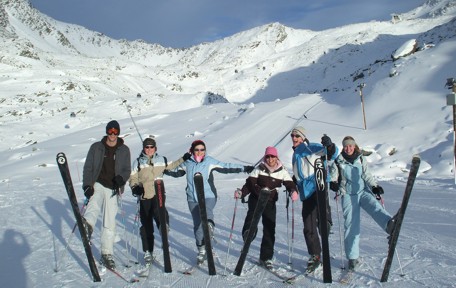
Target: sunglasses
x=269 y=156
x=199 y=150
x=295 y=136
x=113 y=131
x=149 y=147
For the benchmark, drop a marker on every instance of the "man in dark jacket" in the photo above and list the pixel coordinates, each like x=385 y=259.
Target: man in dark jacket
x=106 y=170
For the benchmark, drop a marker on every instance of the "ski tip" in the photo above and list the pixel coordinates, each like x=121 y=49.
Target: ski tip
x=61 y=158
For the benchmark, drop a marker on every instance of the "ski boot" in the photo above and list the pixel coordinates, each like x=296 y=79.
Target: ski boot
x=107 y=261
x=313 y=263
x=201 y=257
x=267 y=264
x=148 y=258
x=352 y=264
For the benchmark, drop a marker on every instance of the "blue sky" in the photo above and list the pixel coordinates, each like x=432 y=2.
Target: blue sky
x=183 y=23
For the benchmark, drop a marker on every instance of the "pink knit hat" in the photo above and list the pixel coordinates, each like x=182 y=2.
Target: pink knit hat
x=271 y=151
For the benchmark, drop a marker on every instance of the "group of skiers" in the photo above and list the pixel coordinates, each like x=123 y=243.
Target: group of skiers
x=108 y=168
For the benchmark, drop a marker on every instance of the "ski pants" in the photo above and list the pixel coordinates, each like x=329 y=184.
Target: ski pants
x=310 y=216
x=351 y=208
x=148 y=212
x=103 y=200
x=310 y=219
x=196 y=216
x=268 y=219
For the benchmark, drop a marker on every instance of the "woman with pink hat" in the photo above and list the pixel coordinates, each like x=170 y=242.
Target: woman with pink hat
x=270 y=173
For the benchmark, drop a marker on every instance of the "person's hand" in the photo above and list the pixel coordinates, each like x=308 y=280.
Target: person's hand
x=237 y=194
x=248 y=169
x=186 y=156
x=326 y=141
x=294 y=196
x=137 y=191
x=118 y=181
x=378 y=191
x=334 y=186
x=88 y=191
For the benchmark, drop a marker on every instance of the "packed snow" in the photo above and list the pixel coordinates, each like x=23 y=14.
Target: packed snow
x=315 y=81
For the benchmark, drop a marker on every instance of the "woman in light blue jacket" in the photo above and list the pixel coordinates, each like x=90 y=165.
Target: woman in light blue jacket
x=198 y=162
x=355 y=183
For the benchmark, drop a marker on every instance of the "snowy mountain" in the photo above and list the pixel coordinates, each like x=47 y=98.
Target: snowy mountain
x=61 y=84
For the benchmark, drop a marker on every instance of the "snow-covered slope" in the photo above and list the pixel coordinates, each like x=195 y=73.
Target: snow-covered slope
x=238 y=94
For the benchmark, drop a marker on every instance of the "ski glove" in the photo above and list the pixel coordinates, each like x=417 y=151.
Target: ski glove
x=118 y=181
x=334 y=186
x=237 y=194
x=326 y=141
x=137 y=191
x=186 y=156
x=88 y=191
x=294 y=196
x=248 y=169
x=378 y=191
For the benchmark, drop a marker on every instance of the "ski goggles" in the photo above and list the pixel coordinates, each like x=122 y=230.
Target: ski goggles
x=113 y=131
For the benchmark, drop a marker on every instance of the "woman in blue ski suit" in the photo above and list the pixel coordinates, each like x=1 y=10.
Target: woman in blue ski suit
x=355 y=183
x=197 y=161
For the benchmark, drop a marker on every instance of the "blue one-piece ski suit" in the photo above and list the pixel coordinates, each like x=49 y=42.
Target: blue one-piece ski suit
x=355 y=184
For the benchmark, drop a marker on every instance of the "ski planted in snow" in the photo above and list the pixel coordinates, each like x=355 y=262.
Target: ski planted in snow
x=62 y=163
x=160 y=191
x=261 y=204
x=400 y=216
x=322 y=194
x=199 y=186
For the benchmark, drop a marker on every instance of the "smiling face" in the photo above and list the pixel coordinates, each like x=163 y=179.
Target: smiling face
x=150 y=150
x=296 y=139
x=271 y=160
x=199 y=151
x=113 y=133
x=349 y=149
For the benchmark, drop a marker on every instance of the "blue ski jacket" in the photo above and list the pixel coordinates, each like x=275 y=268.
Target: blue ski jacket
x=303 y=160
x=354 y=178
x=206 y=167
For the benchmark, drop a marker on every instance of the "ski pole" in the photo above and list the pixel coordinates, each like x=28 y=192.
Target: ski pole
x=136 y=229
x=395 y=249
x=122 y=213
x=338 y=215
x=340 y=232
x=288 y=228
x=132 y=120
x=292 y=227
x=231 y=232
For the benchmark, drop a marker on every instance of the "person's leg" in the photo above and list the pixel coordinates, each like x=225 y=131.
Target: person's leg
x=351 y=212
x=269 y=225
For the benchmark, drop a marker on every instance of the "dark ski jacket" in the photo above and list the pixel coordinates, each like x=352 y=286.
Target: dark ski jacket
x=94 y=162
x=263 y=177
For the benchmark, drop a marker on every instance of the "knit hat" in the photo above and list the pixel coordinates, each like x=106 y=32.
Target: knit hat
x=271 y=151
x=299 y=130
x=149 y=142
x=348 y=141
x=196 y=143
x=112 y=124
